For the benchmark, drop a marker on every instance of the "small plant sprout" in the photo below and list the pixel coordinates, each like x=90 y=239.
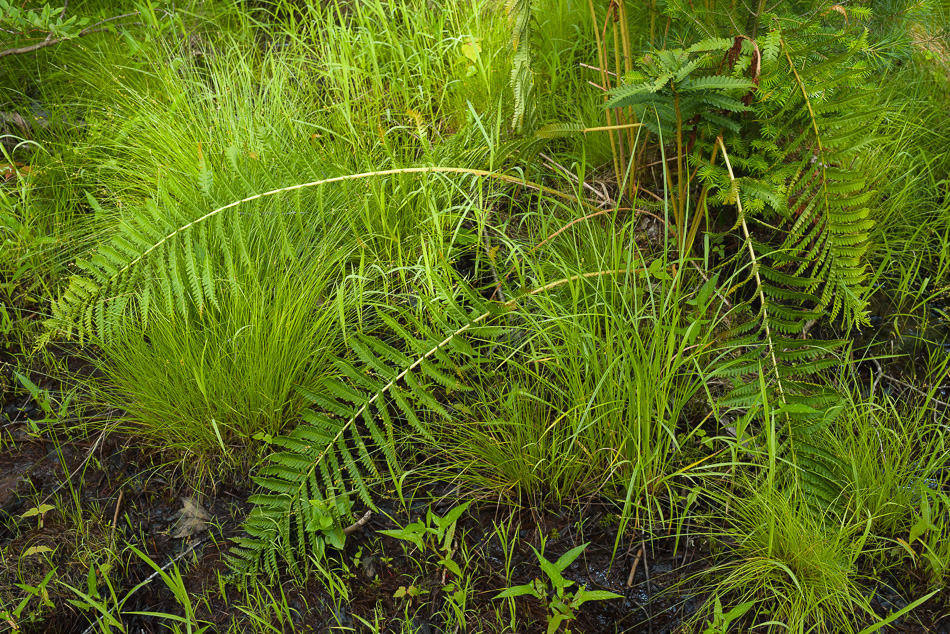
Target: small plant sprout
x=437 y=534
x=39 y=512
x=562 y=605
x=720 y=622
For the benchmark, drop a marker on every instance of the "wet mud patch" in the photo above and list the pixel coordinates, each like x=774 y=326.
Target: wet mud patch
x=125 y=500
x=497 y=550
x=69 y=511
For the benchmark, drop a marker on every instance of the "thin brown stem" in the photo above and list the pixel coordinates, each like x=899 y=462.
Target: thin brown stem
x=605 y=80
x=95 y=28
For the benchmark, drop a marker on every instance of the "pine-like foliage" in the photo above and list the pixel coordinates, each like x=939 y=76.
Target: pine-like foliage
x=671 y=88
x=522 y=76
x=326 y=461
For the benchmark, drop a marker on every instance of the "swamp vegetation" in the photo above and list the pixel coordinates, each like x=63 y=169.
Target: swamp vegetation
x=472 y=316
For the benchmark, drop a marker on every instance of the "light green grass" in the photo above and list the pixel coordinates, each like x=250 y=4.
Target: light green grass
x=208 y=390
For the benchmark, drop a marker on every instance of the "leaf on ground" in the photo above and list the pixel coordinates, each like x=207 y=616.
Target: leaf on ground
x=192 y=519
x=9 y=171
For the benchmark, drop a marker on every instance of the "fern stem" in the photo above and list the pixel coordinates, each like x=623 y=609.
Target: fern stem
x=337 y=179
x=605 y=81
x=566 y=280
x=801 y=86
x=755 y=271
x=621 y=115
x=680 y=206
x=628 y=67
x=509 y=304
x=623 y=126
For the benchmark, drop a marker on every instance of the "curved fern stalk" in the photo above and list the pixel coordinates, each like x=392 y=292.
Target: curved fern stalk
x=308 y=486
x=157 y=257
x=558 y=130
x=804 y=408
x=760 y=288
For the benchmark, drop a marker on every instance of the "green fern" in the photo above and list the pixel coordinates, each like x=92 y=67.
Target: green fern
x=330 y=459
x=522 y=75
x=676 y=86
x=176 y=254
x=803 y=205
x=558 y=130
x=179 y=257
x=771 y=130
x=309 y=486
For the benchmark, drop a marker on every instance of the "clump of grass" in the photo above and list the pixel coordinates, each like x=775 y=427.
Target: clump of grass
x=891 y=448
x=207 y=389
x=795 y=562
x=896 y=476
x=598 y=381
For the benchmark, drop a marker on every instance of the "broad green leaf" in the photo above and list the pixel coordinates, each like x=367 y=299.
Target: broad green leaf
x=568 y=558
x=517 y=591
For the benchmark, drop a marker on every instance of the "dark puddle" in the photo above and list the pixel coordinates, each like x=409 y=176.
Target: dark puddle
x=906 y=344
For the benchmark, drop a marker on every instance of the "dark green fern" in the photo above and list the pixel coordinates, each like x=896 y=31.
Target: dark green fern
x=771 y=129
x=328 y=461
x=803 y=206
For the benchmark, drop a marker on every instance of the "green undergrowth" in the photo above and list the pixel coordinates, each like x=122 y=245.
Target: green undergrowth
x=305 y=252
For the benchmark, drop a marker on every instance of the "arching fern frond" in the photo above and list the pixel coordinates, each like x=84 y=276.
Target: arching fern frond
x=309 y=486
x=180 y=256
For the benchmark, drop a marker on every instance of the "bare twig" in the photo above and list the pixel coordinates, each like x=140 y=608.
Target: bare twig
x=599 y=70
x=115 y=518
x=573 y=177
x=95 y=28
x=568 y=226
x=914 y=389
x=647 y=191
x=358 y=524
x=633 y=569
x=445 y=571
x=76 y=470
x=876 y=377
x=646 y=572
x=721 y=296
x=62 y=14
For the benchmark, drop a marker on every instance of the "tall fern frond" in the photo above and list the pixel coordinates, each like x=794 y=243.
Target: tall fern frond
x=179 y=256
x=815 y=266
x=780 y=146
